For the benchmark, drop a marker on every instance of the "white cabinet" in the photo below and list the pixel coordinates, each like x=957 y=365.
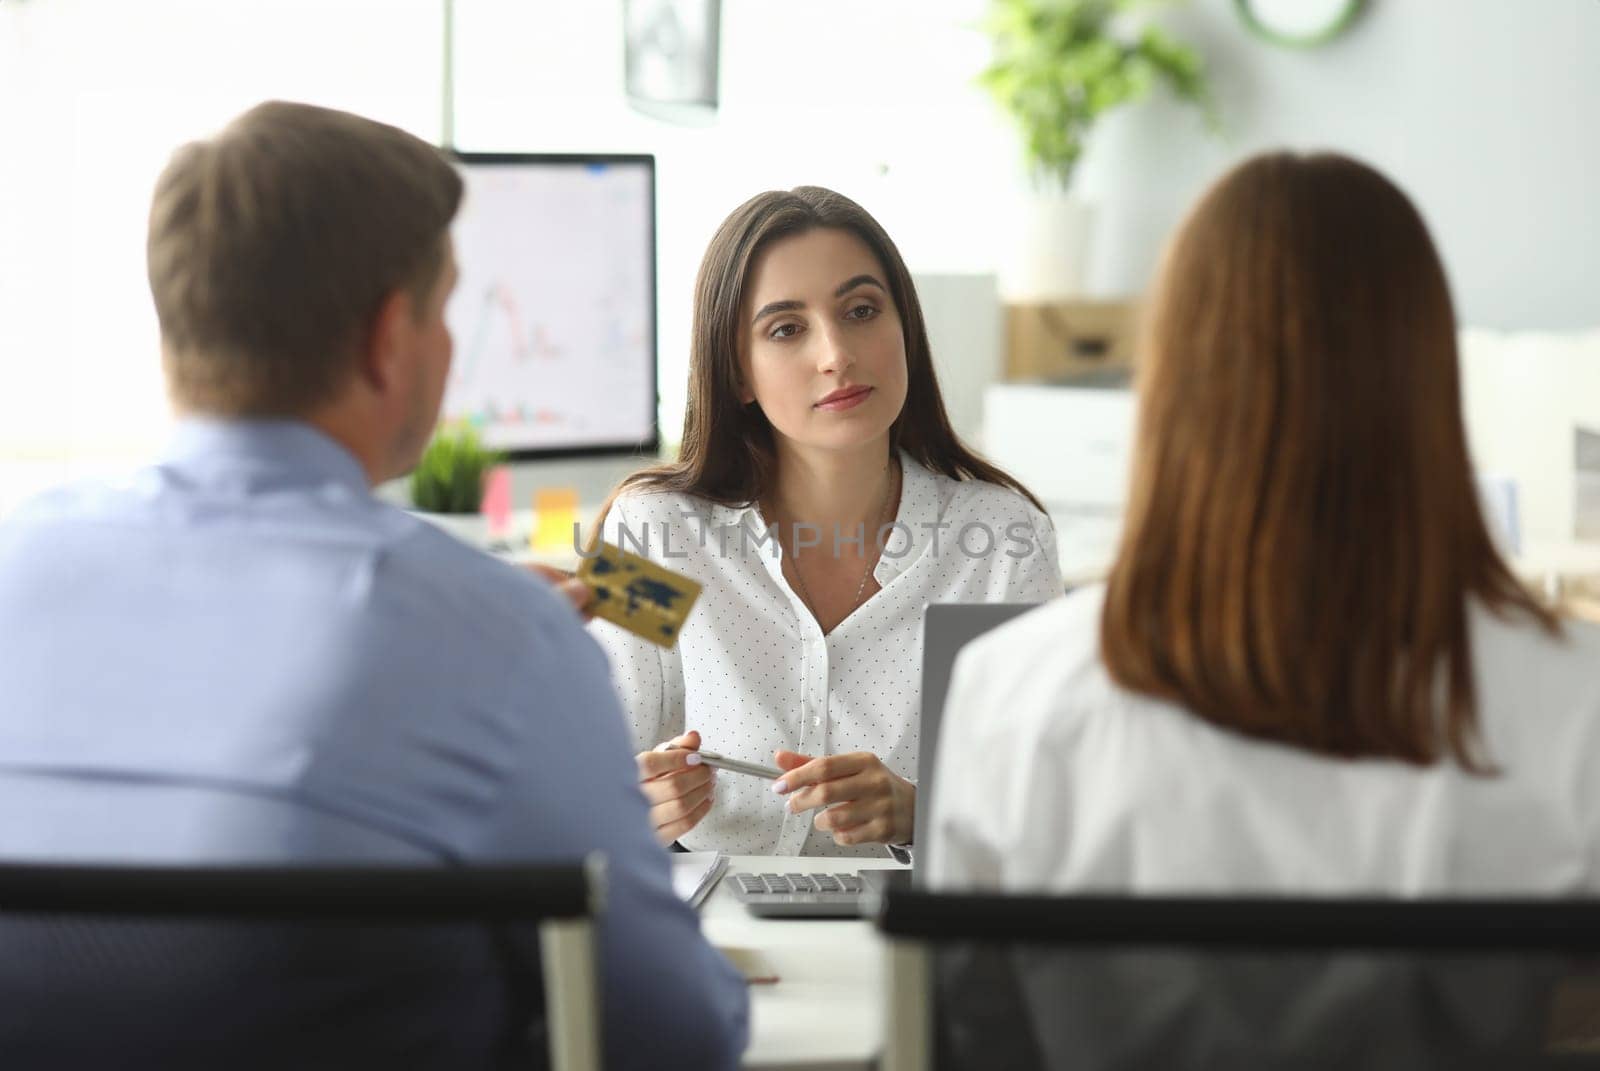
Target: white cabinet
x=1070 y=446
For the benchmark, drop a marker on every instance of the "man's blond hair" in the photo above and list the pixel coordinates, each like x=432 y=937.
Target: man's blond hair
x=273 y=244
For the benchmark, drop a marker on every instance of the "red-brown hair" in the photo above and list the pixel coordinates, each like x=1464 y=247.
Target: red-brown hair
x=1304 y=534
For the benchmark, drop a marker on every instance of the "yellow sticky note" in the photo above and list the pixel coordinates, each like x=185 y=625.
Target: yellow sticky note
x=555 y=511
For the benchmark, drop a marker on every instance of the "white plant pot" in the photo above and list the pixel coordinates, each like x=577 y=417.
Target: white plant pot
x=471 y=528
x=1048 y=255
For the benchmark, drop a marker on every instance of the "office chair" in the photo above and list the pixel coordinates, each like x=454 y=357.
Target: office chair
x=1003 y=982
x=316 y=966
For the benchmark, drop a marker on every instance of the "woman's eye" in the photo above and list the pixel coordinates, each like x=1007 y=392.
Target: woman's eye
x=784 y=331
x=861 y=312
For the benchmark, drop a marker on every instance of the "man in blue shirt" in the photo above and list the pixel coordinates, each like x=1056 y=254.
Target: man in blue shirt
x=240 y=654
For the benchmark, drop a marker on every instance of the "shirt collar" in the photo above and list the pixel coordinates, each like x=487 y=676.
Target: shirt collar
x=287 y=444
x=918 y=513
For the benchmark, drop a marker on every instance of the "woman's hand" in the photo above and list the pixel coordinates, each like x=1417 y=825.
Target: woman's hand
x=571 y=588
x=677 y=787
x=866 y=803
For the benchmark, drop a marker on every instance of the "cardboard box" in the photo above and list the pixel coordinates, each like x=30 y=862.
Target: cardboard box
x=1069 y=340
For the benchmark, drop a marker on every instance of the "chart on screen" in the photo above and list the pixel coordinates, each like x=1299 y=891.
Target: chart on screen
x=554 y=313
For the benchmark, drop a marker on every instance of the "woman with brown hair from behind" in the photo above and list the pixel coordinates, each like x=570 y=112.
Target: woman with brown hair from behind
x=1310 y=669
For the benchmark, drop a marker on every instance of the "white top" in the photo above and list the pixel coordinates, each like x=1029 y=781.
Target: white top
x=1052 y=778
x=752 y=671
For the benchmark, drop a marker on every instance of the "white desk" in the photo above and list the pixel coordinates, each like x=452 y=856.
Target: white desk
x=826 y=1009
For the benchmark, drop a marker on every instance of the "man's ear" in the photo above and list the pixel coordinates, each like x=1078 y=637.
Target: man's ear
x=387 y=341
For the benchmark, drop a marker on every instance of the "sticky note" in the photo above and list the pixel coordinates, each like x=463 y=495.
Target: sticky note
x=555 y=510
x=496 y=507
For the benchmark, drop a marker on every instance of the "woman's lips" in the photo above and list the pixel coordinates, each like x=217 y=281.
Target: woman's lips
x=849 y=399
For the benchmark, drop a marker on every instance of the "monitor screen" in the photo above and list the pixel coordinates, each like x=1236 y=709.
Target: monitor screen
x=554 y=313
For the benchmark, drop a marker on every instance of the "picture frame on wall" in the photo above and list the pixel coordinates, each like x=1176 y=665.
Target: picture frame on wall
x=671 y=56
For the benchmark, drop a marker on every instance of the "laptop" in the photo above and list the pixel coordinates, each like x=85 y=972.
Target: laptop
x=946 y=629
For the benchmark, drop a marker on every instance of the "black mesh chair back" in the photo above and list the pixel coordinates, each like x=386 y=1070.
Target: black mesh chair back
x=1012 y=982
x=302 y=967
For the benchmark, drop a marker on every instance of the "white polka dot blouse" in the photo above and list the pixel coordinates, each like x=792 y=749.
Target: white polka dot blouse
x=752 y=671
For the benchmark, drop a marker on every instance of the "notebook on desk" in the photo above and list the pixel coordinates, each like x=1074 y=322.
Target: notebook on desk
x=946 y=629
x=695 y=874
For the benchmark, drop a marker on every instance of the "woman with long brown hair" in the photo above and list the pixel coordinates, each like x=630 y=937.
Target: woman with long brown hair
x=1310 y=667
x=823 y=501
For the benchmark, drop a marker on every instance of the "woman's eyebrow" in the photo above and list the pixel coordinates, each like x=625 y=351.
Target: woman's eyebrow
x=776 y=306
x=844 y=288
x=858 y=280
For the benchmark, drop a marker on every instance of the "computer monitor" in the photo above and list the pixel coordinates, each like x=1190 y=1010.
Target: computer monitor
x=554 y=317
x=946 y=629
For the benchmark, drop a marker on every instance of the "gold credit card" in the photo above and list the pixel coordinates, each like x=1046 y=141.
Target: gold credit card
x=646 y=599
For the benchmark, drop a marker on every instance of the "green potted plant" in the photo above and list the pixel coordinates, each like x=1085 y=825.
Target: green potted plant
x=1059 y=65
x=447 y=484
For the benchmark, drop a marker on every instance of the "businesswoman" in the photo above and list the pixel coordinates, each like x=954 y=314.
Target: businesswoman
x=1310 y=669
x=823 y=501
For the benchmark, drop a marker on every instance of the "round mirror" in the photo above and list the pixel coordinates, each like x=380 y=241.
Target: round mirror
x=1301 y=23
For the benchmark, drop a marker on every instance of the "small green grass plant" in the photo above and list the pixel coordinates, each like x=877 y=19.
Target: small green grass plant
x=449 y=477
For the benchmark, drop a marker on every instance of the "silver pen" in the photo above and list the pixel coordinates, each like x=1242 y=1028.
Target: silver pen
x=754 y=769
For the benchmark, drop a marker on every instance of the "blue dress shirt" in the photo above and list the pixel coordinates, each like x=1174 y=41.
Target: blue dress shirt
x=238 y=654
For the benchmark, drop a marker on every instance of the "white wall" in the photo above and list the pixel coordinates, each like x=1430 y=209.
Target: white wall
x=94 y=96
x=1486 y=111
x=1483 y=109
x=1477 y=107
x=873 y=99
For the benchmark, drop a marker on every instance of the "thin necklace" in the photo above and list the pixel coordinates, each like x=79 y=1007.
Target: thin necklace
x=883 y=519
